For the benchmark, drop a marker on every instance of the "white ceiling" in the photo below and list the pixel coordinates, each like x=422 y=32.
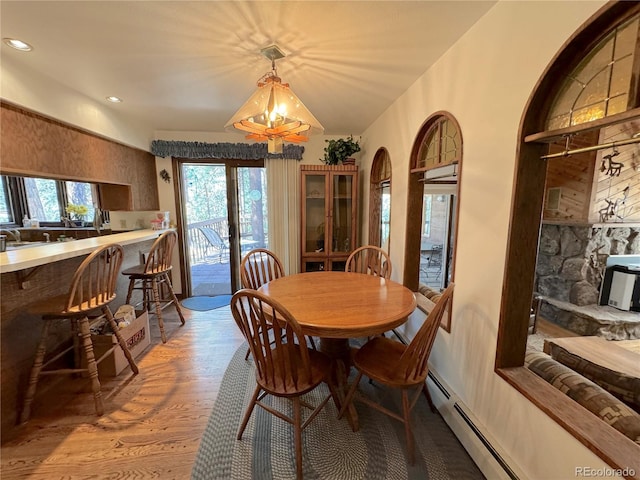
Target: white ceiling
x=188 y=66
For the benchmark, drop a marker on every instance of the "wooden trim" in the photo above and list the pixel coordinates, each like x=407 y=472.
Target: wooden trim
x=414 y=208
x=413 y=233
x=183 y=240
x=560 y=134
x=606 y=442
x=529 y=181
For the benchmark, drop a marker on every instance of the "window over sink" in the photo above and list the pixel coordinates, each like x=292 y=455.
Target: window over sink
x=43 y=199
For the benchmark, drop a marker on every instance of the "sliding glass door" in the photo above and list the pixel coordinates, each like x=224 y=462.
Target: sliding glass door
x=224 y=216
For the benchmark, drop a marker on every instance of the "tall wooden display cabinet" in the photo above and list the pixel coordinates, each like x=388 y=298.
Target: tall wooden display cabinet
x=329 y=215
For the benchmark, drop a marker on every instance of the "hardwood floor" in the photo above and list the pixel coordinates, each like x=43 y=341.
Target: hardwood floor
x=153 y=421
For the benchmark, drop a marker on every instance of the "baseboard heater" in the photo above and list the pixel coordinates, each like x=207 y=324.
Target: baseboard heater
x=475 y=429
x=467 y=420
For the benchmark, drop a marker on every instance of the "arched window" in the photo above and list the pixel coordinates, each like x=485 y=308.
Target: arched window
x=432 y=211
x=602 y=84
x=579 y=101
x=380 y=200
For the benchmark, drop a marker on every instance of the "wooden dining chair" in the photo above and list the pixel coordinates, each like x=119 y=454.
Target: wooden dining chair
x=258 y=267
x=370 y=260
x=285 y=366
x=396 y=365
x=92 y=288
x=153 y=276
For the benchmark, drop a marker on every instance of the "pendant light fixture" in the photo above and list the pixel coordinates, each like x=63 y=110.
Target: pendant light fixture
x=274 y=113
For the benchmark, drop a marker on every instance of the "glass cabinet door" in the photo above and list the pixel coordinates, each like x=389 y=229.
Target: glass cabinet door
x=315 y=235
x=342 y=221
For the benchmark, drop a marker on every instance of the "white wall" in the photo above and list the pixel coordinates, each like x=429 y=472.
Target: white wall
x=29 y=89
x=485 y=80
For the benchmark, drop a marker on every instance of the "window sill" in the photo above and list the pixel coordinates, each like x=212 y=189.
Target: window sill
x=606 y=442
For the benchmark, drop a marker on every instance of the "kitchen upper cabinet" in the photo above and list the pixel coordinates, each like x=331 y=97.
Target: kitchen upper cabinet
x=34 y=145
x=329 y=215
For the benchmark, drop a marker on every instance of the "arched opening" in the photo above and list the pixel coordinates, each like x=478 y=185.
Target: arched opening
x=578 y=102
x=380 y=200
x=433 y=205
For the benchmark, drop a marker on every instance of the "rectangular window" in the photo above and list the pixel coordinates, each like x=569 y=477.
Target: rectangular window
x=6 y=214
x=43 y=199
x=81 y=193
x=438 y=207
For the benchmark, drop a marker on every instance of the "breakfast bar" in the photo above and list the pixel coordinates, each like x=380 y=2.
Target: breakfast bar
x=32 y=273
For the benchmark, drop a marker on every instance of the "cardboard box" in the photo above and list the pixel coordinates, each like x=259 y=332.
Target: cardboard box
x=137 y=337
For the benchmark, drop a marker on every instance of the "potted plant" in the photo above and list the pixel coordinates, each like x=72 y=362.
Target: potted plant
x=76 y=214
x=338 y=150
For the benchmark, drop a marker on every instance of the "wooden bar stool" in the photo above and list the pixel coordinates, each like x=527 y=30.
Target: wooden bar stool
x=93 y=287
x=151 y=276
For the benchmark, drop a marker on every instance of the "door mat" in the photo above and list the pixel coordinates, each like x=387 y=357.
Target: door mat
x=204 y=303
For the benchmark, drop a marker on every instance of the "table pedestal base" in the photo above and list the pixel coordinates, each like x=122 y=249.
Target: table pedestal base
x=339 y=351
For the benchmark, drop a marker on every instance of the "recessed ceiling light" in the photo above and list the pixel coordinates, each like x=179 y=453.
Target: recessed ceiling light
x=113 y=99
x=18 y=44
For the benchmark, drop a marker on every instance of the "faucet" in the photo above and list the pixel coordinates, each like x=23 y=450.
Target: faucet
x=46 y=237
x=15 y=233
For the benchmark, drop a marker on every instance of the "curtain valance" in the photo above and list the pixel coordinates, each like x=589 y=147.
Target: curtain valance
x=229 y=151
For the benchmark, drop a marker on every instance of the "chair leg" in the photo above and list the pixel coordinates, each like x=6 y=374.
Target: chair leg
x=297 y=420
x=92 y=368
x=146 y=297
x=35 y=373
x=425 y=389
x=76 y=342
x=246 y=357
x=173 y=297
x=130 y=291
x=406 y=411
x=247 y=414
x=123 y=345
x=156 y=298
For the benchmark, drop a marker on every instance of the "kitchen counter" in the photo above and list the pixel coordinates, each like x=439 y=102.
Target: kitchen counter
x=28 y=257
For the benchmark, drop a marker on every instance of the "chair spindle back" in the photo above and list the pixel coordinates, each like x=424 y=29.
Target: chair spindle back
x=281 y=359
x=414 y=361
x=94 y=282
x=159 y=259
x=258 y=267
x=370 y=260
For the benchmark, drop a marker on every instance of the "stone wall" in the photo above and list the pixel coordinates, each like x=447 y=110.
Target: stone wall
x=572 y=259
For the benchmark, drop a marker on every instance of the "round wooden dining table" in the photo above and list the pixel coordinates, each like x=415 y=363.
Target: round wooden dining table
x=336 y=306
x=342 y=305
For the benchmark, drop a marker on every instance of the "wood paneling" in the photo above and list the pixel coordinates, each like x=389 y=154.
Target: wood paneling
x=612 y=188
x=574 y=176
x=31 y=144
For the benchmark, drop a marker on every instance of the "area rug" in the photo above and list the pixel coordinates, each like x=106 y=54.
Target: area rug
x=204 y=303
x=331 y=450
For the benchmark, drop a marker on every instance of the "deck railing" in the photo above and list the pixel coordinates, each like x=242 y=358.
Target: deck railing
x=200 y=248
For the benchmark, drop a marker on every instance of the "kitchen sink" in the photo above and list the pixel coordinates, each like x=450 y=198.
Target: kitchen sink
x=22 y=244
